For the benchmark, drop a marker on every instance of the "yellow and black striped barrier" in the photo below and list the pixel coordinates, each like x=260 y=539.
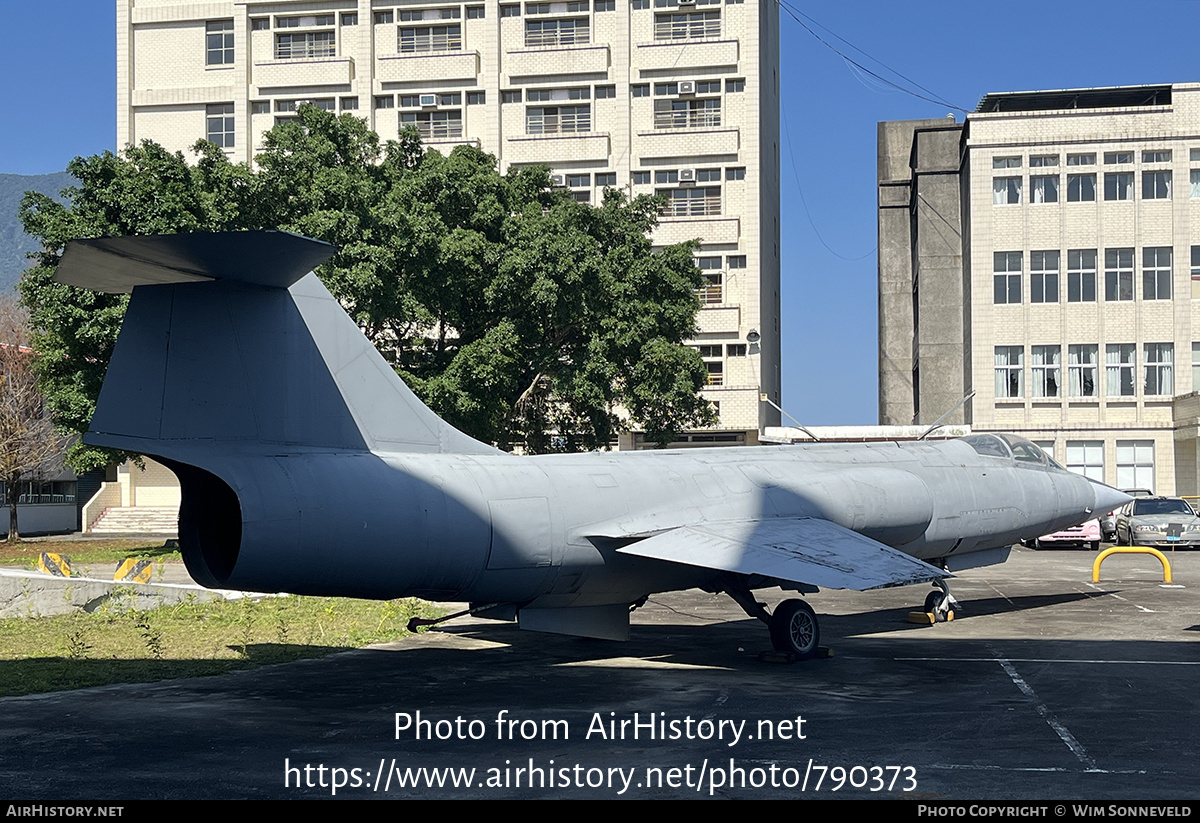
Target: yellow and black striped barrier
x=134 y=570
x=58 y=565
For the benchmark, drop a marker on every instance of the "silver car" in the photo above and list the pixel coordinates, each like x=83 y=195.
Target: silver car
x=1108 y=523
x=1163 y=522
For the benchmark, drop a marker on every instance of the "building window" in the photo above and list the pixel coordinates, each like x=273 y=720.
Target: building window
x=1135 y=464
x=1086 y=457
x=1081 y=276
x=697 y=201
x=260 y=106
x=1006 y=191
x=666 y=176
x=1118 y=185
x=710 y=292
x=708 y=175
x=1081 y=159
x=606 y=5
x=218 y=40
x=1045 y=364
x=1195 y=181
x=581 y=196
x=1117 y=158
x=510 y=96
x=260 y=24
x=1196 y=367
x=385 y=101
x=735 y=85
x=606 y=178
x=1081 y=369
x=1196 y=272
x=568 y=32
x=1006 y=162
x=712 y=356
x=1043 y=189
x=1156 y=185
x=1081 y=188
x=1118 y=368
x=687 y=113
x=349 y=103
x=641 y=178
x=641 y=4
x=476 y=98
x=434 y=125
x=349 y=18
x=384 y=17
x=736 y=261
x=735 y=173
x=640 y=90
x=606 y=92
x=1043 y=276
x=218 y=123
x=414 y=15
x=558 y=120
x=1156 y=273
x=1010 y=372
x=513 y=10
x=1006 y=282
x=1118 y=274
x=579 y=181
x=305 y=45
x=1156 y=156
x=694 y=25
x=414 y=40
x=1159 y=372
x=1043 y=161
x=476 y=12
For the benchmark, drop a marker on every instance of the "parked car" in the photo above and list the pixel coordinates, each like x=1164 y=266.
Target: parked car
x=1165 y=522
x=1087 y=534
x=1108 y=523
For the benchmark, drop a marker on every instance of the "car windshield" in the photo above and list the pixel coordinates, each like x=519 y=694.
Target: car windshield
x=1141 y=507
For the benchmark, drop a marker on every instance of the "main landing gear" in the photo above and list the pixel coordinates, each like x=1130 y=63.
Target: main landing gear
x=794 y=628
x=941 y=604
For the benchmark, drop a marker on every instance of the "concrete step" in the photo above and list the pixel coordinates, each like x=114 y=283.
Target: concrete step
x=138 y=520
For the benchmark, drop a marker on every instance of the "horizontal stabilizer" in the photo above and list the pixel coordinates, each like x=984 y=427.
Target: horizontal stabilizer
x=800 y=550
x=263 y=258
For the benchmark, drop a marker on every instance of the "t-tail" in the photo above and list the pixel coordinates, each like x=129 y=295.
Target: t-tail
x=238 y=370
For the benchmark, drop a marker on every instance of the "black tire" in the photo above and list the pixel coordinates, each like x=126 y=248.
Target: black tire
x=1095 y=544
x=933 y=601
x=794 y=628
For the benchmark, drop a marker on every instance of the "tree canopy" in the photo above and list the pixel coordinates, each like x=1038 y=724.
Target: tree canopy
x=516 y=313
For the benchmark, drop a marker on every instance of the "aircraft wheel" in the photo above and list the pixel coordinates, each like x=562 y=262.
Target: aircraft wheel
x=935 y=604
x=794 y=629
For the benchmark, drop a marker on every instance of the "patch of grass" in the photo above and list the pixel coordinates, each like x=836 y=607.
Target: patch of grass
x=189 y=639
x=85 y=552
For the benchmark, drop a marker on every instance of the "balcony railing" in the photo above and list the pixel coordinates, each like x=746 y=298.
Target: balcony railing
x=691 y=203
x=687 y=27
x=576 y=35
x=419 y=41
x=688 y=119
x=436 y=129
x=710 y=295
x=558 y=123
x=305 y=46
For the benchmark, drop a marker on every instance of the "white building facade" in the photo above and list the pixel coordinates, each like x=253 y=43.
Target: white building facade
x=1079 y=278
x=666 y=97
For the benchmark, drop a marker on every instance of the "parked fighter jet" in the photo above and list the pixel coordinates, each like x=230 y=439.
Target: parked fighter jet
x=307 y=466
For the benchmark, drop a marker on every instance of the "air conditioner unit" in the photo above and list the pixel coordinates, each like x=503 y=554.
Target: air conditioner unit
x=687 y=87
x=687 y=2
x=558 y=180
x=687 y=175
x=428 y=100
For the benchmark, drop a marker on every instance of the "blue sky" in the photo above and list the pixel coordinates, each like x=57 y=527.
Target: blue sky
x=61 y=76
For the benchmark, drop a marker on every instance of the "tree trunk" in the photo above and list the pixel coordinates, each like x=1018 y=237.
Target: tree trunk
x=14 y=491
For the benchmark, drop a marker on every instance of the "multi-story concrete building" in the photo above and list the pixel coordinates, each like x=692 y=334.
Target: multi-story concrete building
x=678 y=98
x=1045 y=254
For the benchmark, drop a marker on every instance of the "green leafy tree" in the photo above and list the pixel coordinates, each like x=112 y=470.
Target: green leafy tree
x=518 y=314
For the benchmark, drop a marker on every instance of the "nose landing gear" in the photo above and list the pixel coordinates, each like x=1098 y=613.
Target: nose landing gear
x=941 y=604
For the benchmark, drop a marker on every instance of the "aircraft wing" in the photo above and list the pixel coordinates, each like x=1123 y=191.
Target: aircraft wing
x=801 y=550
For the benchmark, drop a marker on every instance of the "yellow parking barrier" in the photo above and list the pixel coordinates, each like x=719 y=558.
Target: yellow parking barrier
x=58 y=565
x=1162 y=558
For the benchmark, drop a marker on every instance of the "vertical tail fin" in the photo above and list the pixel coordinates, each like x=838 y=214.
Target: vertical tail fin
x=227 y=340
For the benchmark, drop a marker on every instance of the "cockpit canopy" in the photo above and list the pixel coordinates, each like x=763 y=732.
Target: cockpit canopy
x=1010 y=446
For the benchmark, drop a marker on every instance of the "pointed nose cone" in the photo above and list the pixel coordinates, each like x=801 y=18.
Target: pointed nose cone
x=1108 y=498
